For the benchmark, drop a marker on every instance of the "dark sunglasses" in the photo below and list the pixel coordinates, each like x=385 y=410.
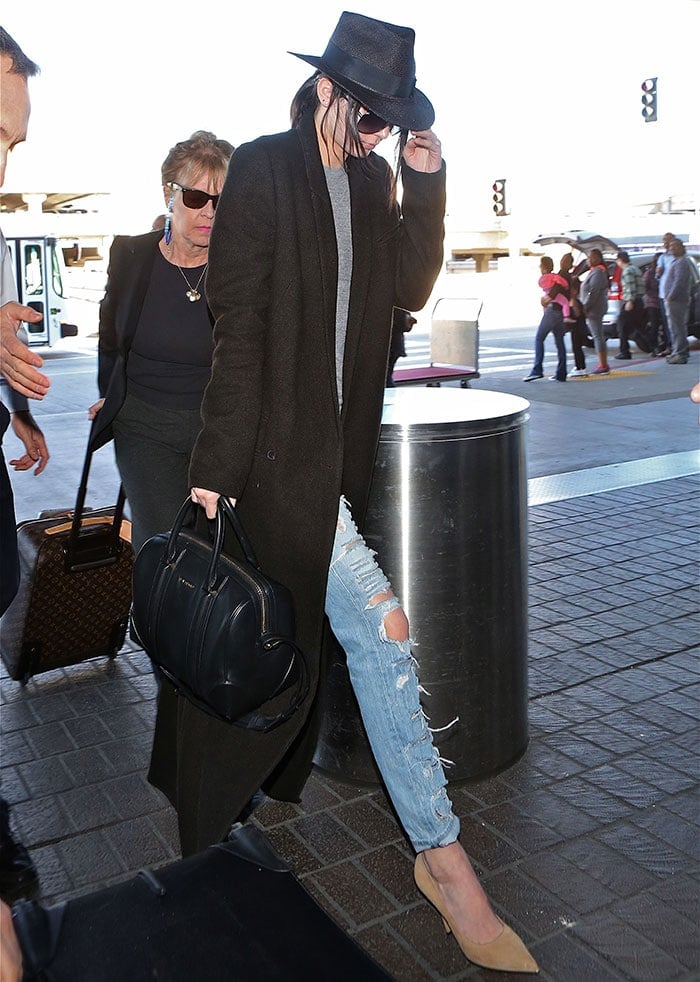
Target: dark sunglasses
x=193 y=198
x=371 y=123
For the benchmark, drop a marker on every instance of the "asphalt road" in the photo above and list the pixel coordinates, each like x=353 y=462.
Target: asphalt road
x=641 y=411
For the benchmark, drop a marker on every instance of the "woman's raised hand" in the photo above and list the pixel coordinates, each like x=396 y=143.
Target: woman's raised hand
x=423 y=152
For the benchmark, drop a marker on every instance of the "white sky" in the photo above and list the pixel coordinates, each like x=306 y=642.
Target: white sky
x=547 y=95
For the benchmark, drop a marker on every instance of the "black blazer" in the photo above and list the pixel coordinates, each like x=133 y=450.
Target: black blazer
x=131 y=260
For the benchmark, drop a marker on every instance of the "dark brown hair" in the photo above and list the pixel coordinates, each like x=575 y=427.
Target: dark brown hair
x=306 y=102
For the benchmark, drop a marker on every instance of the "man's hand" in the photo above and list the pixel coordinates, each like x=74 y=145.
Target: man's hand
x=10 y=951
x=18 y=363
x=28 y=432
x=423 y=152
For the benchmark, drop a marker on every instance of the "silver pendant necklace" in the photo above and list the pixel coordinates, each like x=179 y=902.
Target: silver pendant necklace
x=192 y=292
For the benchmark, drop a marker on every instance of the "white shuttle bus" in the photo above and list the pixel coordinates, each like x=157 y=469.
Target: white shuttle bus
x=39 y=270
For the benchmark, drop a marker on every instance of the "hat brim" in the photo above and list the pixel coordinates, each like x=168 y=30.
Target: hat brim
x=414 y=113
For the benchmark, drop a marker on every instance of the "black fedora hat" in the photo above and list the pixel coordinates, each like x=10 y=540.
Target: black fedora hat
x=374 y=62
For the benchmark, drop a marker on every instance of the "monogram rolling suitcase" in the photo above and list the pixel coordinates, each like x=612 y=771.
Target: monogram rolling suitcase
x=233 y=912
x=75 y=588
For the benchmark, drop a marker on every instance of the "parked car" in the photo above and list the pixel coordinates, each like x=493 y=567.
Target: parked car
x=583 y=242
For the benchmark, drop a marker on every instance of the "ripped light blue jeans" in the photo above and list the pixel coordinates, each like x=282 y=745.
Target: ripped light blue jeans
x=383 y=675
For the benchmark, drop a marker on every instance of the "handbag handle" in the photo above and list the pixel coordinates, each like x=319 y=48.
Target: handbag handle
x=72 y=552
x=225 y=510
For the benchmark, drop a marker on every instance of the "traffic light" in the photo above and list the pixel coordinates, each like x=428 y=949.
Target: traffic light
x=499 y=198
x=649 y=100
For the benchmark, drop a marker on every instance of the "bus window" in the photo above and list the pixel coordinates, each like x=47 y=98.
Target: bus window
x=33 y=279
x=56 y=273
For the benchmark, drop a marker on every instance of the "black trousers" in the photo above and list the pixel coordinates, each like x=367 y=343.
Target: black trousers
x=153 y=447
x=9 y=557
x=579 y=336
x=628 y=322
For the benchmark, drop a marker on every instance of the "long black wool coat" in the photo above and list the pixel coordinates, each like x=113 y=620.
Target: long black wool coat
x=273 y=436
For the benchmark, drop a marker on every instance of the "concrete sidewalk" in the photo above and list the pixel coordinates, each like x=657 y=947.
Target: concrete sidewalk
x=588 y=845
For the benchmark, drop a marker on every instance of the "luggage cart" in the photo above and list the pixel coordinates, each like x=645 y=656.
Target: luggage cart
x=454 y=345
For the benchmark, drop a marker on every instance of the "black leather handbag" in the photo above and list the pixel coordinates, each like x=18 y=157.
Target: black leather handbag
x=219 y=629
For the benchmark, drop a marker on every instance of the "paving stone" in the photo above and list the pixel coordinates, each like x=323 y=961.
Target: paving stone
x=528 y=907
x=89 y=858
x=132 y=796
x=394 y=957
x=672 y=829
x=351 y=891
x=89 y=808
x=604 y=807
x=44 y=776
x=137 y=843
x=54 y=878
x=47 y=707
x=565 y=958
x=370 y=824
x=126 y=721
x=392 y=869
x=573 y=746
x=271 y=812
x=645 y=850
x=87 y=766
x=624 y=786
x=551 y=761
x=630 y=952
x=15 y=748
x=293 y=849
x=604 y=864
x=49 y=738
x=165 y=823
x=547 y=808
x=580 y=892
x=316 y=796
x=525 y=832
x=662 y=776
x=330 y=840
x=38 y=821
x=128 y=756
x=87 y=731
x=17 y=715
x=485 y=846
x=421 y=929
x=12 y=787
x=681 y=893
x=676 y=936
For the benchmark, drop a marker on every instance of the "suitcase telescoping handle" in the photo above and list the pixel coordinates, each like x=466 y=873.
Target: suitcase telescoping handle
x=92 y=546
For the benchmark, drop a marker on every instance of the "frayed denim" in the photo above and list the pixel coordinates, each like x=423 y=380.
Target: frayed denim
x=383 y=676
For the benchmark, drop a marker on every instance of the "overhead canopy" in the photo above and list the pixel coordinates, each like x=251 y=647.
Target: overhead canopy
x=54 y=201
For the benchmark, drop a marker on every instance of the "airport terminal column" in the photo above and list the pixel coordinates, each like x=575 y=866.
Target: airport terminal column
x=448 y=519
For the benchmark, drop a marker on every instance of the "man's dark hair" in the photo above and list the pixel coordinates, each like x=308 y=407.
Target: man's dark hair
x=623 y=255
x=21 y=65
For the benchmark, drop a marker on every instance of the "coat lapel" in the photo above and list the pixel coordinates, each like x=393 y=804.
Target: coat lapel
x=362 y=237
x=140 y=260
x=325 y=237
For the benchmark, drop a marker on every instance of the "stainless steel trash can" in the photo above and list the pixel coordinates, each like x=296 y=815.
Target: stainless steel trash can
x=448 y=519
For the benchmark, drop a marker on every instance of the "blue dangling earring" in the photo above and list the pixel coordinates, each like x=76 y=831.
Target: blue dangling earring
x=168 y=230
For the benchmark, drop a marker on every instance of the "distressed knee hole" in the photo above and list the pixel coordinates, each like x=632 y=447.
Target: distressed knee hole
x=394 y=622
x=396 y=625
